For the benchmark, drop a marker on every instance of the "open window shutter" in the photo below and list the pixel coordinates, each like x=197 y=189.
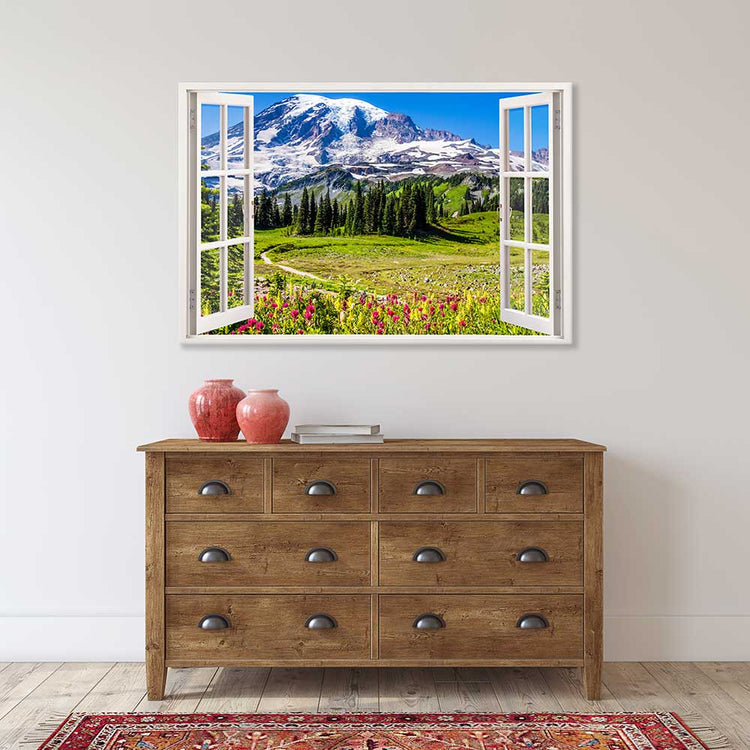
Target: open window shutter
x=222 y=290
x=530 y=273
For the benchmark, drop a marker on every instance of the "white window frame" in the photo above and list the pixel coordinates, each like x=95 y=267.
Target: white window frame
x=546 y=325
x=561 y=303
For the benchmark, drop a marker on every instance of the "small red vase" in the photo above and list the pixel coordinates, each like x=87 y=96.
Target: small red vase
x=263 y=416
x=213 y=409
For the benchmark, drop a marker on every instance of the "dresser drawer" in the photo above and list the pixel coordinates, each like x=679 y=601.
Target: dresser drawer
x=268 y=553
x=267 y=627
x=478 y=627
x=535 y=484
x=214 y=484
x=478 y=553
x=330 y=484
x=429 y=484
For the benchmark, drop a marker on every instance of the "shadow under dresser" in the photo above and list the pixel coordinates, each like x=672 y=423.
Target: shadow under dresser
x=410 y=553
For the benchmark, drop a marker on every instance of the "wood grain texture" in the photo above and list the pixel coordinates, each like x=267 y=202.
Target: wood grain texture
x=156 y=671
x=123 y=685
x=351 y=476
x=467 y=697
x=411 y=690
x=398 y=478
x=400 y=445
x=268 y=627
x=186 y=688
x=234 y=690
x=187 y=474
x=481 y=554
x=593 y=577
x=522 y=690
x=480 y=627
x=268 y=553
x=562 y=475
x=349 y=690
x=292 y=690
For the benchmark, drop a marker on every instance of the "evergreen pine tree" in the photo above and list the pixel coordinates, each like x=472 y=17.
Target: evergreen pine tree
x=286 y=213
x=303 y=222
x=313 y=212
x=335 y=213
x=358 y=220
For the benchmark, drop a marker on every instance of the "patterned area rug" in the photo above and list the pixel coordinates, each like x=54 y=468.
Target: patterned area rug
x=625 y=731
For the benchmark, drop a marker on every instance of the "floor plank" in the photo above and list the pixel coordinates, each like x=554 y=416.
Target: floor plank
x=733 y=677
x=19 y=679
x=466 y=697
x=697 y=693
x=121 y=689
x=235 y=690
x=522 y=690
x=293 y=690
x=412 y=690
x=185 y=689
x=51 y=701
x=635 y=689
x=349 y=690
x=460 y=674
x=565 y=683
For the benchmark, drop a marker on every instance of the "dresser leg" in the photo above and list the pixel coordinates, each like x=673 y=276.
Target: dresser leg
x=156 y=679
x=592 y=681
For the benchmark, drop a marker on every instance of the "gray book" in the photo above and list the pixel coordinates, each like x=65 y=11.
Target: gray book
x=337 y=429
x=323 y=438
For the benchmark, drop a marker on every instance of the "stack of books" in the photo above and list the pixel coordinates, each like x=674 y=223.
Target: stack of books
x=321 y=434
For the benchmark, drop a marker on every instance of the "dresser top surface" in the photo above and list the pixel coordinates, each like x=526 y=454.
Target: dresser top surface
x=399 y=445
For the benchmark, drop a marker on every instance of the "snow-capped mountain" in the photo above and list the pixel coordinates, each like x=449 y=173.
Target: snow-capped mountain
x=305 y=133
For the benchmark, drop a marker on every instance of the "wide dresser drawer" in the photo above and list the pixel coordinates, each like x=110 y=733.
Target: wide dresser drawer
x=477 y=627
x=267 y=553
x=481 y=553
x=228 y=629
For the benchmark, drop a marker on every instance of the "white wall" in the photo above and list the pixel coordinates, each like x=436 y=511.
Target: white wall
x=92 y=366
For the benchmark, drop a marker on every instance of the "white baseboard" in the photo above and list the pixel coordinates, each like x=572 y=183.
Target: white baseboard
x=627 y=638
x=72 y=638
x=677 y=638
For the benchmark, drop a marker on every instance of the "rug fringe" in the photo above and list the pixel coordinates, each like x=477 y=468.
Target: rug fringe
x=33 y=739
x=705 y=732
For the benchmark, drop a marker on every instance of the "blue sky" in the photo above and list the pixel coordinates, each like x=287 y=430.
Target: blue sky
x=469 y=115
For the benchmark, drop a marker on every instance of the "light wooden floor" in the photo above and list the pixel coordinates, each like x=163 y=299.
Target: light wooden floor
x=30 y=693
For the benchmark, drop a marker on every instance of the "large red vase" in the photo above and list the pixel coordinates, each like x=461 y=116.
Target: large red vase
x=213 y=409
x=263 y=416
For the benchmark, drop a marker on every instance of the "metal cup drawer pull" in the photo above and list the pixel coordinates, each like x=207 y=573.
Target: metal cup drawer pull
x=214 y=622
x=429 y=555
x=429 y=487
x=532 y=555
x=321 y=555
x=532 y=622
x=532 y=487
x=214 y=555
x=320 y=622
x=429 y=621
x=215 y=487
x=320 y=487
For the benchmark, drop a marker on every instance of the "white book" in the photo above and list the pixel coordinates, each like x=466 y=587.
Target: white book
x=323 y=439
x=337 y=429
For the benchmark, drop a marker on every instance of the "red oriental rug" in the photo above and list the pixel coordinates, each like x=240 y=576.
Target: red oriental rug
x=623 y=731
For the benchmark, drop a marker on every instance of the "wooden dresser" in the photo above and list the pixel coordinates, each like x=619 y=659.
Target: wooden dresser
x=410 y=553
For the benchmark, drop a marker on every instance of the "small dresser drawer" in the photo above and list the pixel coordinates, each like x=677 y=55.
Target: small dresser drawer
x=423 y=627
x=230 y=629
x=429 y=484
x=329 y=484
x=535 y=484
x=214 y=484
x=481 y=553
x=268 y=553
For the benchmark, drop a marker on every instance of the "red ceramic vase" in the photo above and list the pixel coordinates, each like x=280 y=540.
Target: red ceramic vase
x=213 y=409
x=263 y=416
